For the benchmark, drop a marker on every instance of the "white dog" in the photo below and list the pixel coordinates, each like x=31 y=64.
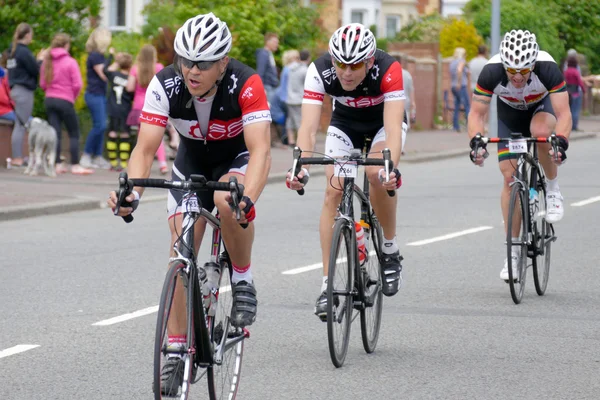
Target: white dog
x=42 y=147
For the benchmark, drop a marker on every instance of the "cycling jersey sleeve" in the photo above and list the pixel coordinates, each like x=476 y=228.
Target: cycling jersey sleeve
x=486 y=83
x=392 y=85
x=314 y=90
x=156 y=105
x=253 y=101
x=550 y=76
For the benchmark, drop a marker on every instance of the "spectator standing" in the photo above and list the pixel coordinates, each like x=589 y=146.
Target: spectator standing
x=23 y=73
x=95 y=98
x=265 y=64
x=575 y=88
x=459 y=75
x=295 y=94
x=477 y=64
x=61 y=80
x=119 y=105
x=146 y=66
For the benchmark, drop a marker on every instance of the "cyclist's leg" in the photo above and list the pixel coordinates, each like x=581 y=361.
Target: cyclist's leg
x=385 y=209
x=238 y=242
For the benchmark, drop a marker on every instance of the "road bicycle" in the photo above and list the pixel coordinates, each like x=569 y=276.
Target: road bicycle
x=352 y=288
x=527 y=208
x=212 y=345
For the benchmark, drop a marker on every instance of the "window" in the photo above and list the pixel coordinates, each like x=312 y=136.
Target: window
x=357 y=16
x=392 y=26
x=117 y=16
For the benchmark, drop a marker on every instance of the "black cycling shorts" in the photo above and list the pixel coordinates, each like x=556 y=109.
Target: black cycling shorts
x=511 y=120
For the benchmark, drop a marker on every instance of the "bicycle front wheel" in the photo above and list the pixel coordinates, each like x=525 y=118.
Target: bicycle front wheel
x=227 y=341
x=370 y=314
x=517 y=269
x=543 y=236
x=340 y=299
x=172 y=357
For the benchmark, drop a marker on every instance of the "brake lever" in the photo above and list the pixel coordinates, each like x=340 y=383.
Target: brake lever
x=297 y=167
x=387 y=160
x=125 y=189
x=236 y=194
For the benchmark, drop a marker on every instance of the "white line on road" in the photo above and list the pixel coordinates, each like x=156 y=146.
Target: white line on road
x=449 y=236
x=17 y=349
x=300 y=270
x=586 y=202
x=138 y=313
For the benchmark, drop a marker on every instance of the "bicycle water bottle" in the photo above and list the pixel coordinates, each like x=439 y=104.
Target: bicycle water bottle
x=361 y=240
x=210 y=288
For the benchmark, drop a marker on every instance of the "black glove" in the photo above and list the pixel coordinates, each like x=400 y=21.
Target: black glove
x=477 y=143
x=395 y=171
x=249 y=209
x=562 y=146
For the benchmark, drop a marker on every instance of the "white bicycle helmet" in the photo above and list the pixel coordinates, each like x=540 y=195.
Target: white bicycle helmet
x=518 y=49
x=352 y=43
x=203 y=38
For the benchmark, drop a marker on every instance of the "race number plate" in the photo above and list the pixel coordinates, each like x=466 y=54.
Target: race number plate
x=190 y=204
x=346 y=170
x=517 y=146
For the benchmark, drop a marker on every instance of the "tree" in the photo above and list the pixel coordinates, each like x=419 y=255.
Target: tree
x=459 y=33
x=296 y=25
x=564 y=24
x=426 y=29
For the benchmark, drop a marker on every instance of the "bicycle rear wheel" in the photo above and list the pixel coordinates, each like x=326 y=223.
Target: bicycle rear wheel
x=370 y=315
x=517 y=277
x=227 y=341
x=165 y=353
x=340 y=299
x=543 y=236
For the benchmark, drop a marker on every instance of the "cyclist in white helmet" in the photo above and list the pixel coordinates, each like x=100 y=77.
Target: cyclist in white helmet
x=219 y=108
x=368 y=99
x=532 y=99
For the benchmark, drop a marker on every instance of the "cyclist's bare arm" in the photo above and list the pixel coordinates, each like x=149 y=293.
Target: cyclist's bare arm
x=142 y=156
x=393 y=115
x=480 y=106
x=560 y=104
x=307 y=133
x=258 y=141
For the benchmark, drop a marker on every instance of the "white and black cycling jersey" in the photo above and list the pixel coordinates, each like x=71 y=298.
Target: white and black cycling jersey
x=210 y=128
x=545 y=78
x=383 y=83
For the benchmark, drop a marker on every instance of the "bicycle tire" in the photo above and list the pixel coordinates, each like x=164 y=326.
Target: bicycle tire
x=370 y=314
x=542 y=237
x=517 y=284
x=340 y=317
x=224 y=379
x=172 y=279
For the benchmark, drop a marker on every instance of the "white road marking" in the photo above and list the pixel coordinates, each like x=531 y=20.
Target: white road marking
x=586 y=202
x=311 y=267
x=449 y=236
x=20 y=348
x=138 y=313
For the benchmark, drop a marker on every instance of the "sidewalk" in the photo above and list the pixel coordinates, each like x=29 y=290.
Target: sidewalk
x=24 y=196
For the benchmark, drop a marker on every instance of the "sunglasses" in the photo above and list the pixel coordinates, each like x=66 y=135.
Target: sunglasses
x=514 y=71
x=201 y=65
x=353 y=67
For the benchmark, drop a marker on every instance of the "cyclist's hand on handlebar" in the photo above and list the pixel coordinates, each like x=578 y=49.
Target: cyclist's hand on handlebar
x=395 y=179
x=128 y=206
x=248 y=212
x=298 y=181
x=561 y=146
x=477 y=145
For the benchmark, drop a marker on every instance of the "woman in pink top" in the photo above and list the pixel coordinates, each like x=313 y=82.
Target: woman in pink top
x=574 y=83
x=60 y=78
x=146 y=66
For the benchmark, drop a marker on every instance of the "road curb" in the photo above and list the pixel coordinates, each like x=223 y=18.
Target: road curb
x=85 y=204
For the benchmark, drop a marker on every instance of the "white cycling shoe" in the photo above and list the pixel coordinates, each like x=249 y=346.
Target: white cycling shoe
x=554 y=207
x=515 y=261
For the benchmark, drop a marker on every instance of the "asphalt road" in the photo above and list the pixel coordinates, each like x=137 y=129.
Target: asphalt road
x=452 y=332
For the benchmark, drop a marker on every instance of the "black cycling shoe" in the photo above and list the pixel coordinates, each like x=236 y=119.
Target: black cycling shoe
x=321 y=307
x=391 y=276
x=243 y=312
x=171 y=377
